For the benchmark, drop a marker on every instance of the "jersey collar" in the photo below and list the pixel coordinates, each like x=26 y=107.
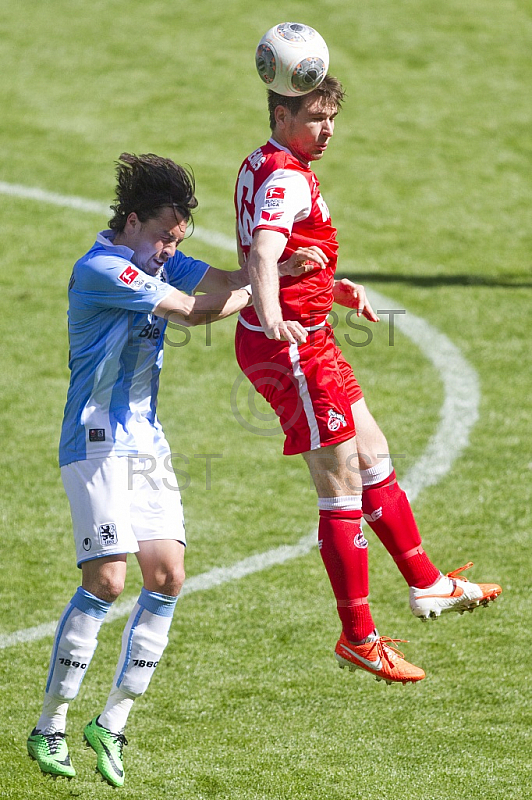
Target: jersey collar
x=286 y=150
x=105 y=238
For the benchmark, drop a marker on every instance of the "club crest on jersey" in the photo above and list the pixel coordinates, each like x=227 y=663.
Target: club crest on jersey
x=360 y=541
x=128 y=275
x=107 y=534
x=335 y=421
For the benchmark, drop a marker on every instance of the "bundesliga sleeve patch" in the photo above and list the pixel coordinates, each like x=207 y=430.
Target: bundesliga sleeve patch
x=128 y=275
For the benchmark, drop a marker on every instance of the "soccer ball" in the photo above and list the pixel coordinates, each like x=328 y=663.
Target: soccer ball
x=292 y=59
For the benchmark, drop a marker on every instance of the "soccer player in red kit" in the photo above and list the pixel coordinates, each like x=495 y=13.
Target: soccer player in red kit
x=286 y=348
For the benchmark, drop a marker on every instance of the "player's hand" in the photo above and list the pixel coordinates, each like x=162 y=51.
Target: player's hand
x=304 y=259
x=287 y=331
x=353 y=295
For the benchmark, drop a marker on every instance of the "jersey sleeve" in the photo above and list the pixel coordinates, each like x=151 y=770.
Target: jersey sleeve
x=283 y=198
x=109 y=282
x=185 y=273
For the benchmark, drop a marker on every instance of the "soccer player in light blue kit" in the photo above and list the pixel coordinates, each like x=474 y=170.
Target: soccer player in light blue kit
x=115 y=461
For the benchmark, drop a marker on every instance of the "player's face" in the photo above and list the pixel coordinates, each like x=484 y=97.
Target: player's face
x=307 y=133
x=156 y=240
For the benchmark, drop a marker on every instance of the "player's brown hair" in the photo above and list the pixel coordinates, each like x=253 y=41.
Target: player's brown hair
x=148 y=183
x=330 y=89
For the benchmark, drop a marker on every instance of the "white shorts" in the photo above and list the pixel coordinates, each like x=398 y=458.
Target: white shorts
x=118 y=501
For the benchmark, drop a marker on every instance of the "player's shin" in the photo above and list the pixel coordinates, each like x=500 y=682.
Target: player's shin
x=343 y=549
x=143 y=642
x=76 y=639
x=387 y=511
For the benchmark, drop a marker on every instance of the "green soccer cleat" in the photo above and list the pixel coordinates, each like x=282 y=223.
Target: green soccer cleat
x=108 y=746
x=50 y=751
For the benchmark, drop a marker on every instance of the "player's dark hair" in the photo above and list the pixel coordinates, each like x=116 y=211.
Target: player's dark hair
x=330 y=89
x=148 y=183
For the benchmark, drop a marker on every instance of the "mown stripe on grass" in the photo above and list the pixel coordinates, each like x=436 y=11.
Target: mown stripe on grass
x=458 y=415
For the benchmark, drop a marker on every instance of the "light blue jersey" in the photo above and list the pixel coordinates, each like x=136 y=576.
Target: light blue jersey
x=116 y=352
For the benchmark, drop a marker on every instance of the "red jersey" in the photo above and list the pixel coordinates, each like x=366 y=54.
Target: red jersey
x=277 y=192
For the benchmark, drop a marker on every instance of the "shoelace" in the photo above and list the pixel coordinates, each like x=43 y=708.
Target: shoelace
x=385 y=644
x=53 y=741
x=120 y=740
x=456 y=572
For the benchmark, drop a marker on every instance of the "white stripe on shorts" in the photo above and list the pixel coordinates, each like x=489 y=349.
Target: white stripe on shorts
x=315 y=441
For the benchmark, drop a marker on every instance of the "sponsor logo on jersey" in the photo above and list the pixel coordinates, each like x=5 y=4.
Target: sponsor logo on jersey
x=360 y=541
x=87 y=544
x=96 y=434
x=151 y=330
x=275 y=192
x=271 y=216
x=128 y=275
x=335 y=421
x=107 y=534
x=374 y=516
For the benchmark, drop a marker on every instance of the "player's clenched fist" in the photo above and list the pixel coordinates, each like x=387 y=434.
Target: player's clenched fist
x=287 y=330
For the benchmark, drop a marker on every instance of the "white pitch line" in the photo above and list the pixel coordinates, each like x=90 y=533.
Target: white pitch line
x=101 y=209
x=197 y=583
x=458 y=415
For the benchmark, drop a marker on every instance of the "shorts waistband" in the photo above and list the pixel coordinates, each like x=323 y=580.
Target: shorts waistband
x=251 y=327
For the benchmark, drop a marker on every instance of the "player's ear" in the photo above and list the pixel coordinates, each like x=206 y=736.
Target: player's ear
x=280 y=115
x=132 y=220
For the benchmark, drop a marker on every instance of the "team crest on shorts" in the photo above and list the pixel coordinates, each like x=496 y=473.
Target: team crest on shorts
x=335 y=421
x=107 y=534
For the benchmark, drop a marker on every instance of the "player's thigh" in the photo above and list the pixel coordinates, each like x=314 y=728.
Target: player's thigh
x=99 y=494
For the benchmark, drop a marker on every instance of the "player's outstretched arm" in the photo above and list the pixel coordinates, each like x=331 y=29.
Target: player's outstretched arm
x=353 y=295
x=221 y=280
x=266 y=249
x=182 y=309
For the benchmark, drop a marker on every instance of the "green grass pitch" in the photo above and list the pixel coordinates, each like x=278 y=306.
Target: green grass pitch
x=428 y=180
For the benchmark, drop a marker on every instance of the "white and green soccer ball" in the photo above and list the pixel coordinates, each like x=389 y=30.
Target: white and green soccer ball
x=292 y=59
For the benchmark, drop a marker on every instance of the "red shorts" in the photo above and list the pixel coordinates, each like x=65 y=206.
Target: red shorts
x=310 y=386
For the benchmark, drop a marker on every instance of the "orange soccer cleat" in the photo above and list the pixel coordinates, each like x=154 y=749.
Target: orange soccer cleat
x=380 y=657
x=451 y=593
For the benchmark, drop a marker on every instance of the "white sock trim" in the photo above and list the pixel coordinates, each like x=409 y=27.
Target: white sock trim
x=376 y=474
x=351 y=502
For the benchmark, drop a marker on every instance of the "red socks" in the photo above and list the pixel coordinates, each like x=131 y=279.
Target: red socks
x=387 y=511
x=344 y=552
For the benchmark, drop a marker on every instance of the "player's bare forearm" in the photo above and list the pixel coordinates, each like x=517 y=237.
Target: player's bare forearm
x=353 y=295
x=266 y=249
x=220 y=280
x=203 y=309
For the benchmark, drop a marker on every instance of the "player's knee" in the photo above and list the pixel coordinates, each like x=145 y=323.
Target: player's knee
x=170 y=581
x=108 y=587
